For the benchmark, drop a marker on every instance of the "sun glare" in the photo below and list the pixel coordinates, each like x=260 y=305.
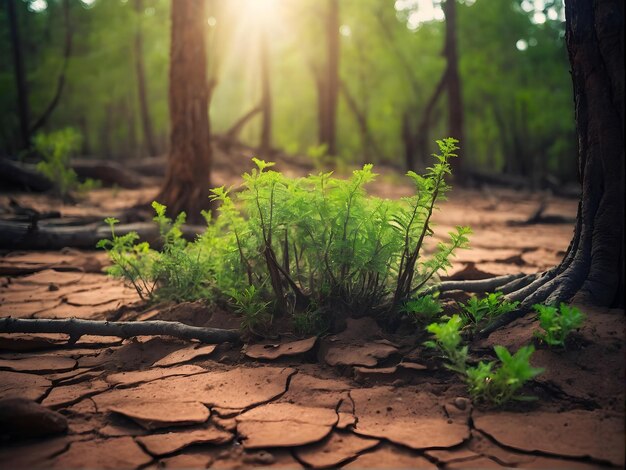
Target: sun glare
x=261 y=10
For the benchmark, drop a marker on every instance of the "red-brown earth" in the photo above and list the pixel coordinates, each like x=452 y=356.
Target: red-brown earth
x=362 y=398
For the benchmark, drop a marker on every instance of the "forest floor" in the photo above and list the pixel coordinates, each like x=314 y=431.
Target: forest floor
x=361 y=398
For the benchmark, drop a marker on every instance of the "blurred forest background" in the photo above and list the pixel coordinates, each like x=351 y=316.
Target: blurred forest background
x=101 y=67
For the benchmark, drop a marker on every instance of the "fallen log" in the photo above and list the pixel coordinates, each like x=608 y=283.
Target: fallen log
x=33 y=236
x=76 y=328
x=23 y=176
x=109 y=173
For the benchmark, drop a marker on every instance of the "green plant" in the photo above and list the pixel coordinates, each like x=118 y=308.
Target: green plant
x=496 y=384
x=177 y=272
x=323 y=240
x=317 y=242
x=476 y=311
x=557 y=323
x=254 y=311
x=179 y=267
x=131 y=260
x=56 y=149
x=423 y=309
x=491 y=382
x=448 y=341
x=309 y=322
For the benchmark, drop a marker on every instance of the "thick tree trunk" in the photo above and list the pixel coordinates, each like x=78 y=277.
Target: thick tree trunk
x=593 y=267
x=187 y=181
x=144 y=107
x=453 y=84
x=20 y=75
x=265 y=146
x=595 y=42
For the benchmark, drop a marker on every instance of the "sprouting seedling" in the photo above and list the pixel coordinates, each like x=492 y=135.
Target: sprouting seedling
x=498 y=382
x=448 y=341
x=557 y=323
x=477 y=311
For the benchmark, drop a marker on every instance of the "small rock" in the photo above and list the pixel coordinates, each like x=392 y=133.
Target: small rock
x=460 y=403
x=24 y=418
x=53 y=287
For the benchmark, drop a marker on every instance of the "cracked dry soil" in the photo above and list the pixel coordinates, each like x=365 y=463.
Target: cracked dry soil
x=360 y=399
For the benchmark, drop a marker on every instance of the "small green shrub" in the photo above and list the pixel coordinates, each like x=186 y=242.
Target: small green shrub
x=497 y=383
x=56 y=150
x=477 y=311
x=448 y=341
x=424 y=309
x=557 y=323
x=317 y=242
x=177 y=272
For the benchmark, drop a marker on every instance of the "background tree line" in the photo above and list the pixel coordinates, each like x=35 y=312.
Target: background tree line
x=356 y=79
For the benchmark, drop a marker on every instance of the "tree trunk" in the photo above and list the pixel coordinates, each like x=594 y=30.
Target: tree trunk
x=20 y=75
x=453 y=84
x=593 y=267
x=595 y=42
x=367 y=137
x=265 y=146
x=146 y=121
x=187 y=181
x=332 y=77
x=67 y=52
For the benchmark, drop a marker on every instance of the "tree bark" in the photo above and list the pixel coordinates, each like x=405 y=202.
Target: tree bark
x=20 y=75
x=453 y=84
x=187 y=181
x=144 y=107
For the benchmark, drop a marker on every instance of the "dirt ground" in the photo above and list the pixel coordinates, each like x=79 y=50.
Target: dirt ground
x=362 y=398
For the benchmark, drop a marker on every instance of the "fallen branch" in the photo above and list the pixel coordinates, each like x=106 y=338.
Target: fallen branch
x=76 y=328
x=23 y=175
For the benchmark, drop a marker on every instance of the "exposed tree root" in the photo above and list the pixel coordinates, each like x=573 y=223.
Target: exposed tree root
x=481 y=285
x=77 y=328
